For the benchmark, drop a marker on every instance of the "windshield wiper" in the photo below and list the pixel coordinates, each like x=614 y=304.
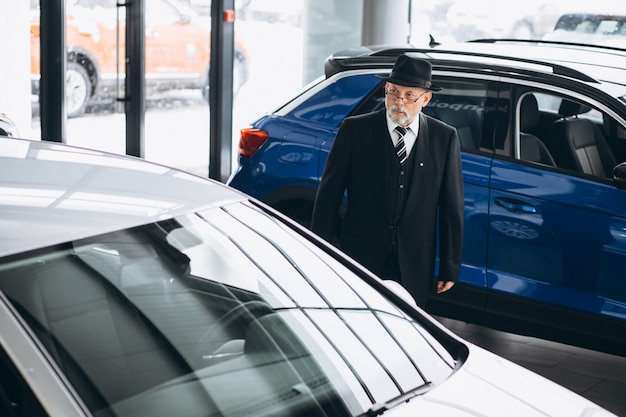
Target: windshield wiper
x=380 y=408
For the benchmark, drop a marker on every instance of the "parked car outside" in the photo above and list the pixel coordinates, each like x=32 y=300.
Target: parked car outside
x=177 y=51
x=133 y=289
x=590 y=29
x=478 y=19
x=542 y=127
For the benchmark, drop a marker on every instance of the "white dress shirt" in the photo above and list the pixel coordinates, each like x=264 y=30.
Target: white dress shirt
x=409 y=138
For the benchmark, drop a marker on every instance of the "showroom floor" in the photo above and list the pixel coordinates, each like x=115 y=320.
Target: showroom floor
x=597 y=376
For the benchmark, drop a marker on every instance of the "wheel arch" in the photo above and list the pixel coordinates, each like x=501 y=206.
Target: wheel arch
x=294 y=202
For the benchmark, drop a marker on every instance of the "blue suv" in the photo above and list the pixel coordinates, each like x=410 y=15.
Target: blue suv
x=542 y=127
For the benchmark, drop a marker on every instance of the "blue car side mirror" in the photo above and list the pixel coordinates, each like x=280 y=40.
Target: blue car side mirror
x=619 y=176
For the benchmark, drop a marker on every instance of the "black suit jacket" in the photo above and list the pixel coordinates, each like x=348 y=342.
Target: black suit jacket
x=362 y=160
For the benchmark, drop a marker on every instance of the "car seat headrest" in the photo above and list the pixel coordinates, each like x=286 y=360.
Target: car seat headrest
x=529 y=115
x=571 y=108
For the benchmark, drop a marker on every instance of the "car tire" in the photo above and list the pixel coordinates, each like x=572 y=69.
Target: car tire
x=77 y=89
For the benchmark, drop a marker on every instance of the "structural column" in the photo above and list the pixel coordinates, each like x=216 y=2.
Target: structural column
x=135 y=97
x=221 y=89
x=385 y=22
x=52 y=82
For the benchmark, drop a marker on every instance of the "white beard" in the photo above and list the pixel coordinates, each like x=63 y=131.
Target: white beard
x=394 y=118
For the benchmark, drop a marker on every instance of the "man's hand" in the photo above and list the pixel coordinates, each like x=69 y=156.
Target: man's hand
x=443 y=286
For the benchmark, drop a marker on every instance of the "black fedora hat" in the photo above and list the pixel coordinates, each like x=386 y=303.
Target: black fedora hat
x=411 y=71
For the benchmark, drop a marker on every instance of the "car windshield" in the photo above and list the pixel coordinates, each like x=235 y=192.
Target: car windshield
x=593 y=24
x=221 y=312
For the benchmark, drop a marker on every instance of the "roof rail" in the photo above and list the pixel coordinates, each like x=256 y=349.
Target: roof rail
x=381 y=56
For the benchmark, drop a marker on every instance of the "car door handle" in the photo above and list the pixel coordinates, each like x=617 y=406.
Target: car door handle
x=515 y=206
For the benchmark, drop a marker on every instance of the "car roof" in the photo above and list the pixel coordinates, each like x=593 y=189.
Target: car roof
x=604 y=67
x=52 y=193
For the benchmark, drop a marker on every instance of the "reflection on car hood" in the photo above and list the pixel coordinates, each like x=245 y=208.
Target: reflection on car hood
x=519 y=392
x=47 y=190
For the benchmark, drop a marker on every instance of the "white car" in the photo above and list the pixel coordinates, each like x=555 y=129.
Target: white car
x=132 y=289
x=477 y=19
x=590 y=29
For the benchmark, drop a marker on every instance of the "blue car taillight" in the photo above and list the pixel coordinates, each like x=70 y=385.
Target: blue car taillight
x=251 y=140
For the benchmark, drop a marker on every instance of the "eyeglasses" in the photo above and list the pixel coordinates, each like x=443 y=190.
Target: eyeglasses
x=408 y=99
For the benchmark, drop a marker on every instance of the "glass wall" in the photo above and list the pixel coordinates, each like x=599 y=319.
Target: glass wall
x=15 y=98
x=280 y=46
x=267 y=71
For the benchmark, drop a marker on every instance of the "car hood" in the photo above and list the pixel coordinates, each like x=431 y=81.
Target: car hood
x=487 y=385
x=52 y=193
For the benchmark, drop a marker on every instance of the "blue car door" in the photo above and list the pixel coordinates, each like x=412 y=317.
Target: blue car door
x=557 y=231
x=468 y=105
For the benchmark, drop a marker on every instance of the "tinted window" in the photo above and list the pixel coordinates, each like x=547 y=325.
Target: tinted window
x=332 y=104
x=460 y=103
x=570 y=134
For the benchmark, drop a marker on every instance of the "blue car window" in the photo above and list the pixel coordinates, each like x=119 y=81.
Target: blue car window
x=332 y=104
x=461 y=104
x=566 y=133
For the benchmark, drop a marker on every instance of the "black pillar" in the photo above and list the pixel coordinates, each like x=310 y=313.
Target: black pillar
x=52 y=82
x=135 y=82
x=221 y=89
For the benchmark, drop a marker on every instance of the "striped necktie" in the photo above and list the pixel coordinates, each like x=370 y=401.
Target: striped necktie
x=400 y=146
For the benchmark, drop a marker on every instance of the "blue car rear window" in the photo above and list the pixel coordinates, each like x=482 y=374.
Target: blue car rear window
x=332 y=104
